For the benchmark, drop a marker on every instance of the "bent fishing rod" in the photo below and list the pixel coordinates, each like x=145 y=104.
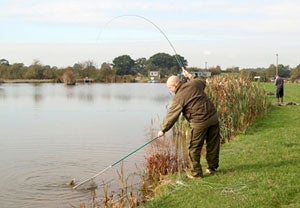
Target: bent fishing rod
x=115 y=163
x=151 y=22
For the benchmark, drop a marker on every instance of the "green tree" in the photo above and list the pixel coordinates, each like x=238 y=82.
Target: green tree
x=3 y=71
x=106 y=73
x=4 y=62
x=161 y=60
x=233 y=69
x=35 y=71
x=16 y=71
x=271 y=71
x=218 y=70
x=165 y=63
x=77 y=70
x=140 y=66
x=295 y=73
x=89 y=69
x=49 y=73
x=123 y=65
x=284 y=71
x=85 y=69
x=177 y=58
x=78 y=67
x=215 y=70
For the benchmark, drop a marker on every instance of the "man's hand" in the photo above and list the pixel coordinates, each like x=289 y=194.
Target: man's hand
x=186 y=73
x=160 y=134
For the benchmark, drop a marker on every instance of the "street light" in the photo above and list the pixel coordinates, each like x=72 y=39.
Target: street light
x=276 y=63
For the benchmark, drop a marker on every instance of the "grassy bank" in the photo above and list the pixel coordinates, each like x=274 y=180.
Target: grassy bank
x=257 y=169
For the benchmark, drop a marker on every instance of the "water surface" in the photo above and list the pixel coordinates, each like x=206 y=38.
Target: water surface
x=51 y=133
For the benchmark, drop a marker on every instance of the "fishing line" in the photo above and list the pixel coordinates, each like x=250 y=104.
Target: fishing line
x=144 y=18
x=224 y=188
x=180 y=159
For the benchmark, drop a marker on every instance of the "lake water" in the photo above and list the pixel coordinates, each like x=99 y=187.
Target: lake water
x=51 y=133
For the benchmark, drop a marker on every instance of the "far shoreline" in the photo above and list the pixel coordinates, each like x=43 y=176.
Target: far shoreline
x=17 y=81
x=28 y=81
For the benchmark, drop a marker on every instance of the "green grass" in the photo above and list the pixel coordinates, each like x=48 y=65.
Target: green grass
x=291 y=92
x=260 y=168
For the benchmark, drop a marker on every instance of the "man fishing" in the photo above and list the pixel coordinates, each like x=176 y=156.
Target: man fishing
x=191 y=100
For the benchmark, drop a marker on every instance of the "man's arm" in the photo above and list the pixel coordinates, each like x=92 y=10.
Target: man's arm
x=170 y=118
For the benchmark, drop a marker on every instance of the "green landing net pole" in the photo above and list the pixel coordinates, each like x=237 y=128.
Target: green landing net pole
x=115 y=163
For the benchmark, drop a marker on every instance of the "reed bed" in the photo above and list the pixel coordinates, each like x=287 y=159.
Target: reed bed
x=165 y=157
x=126 y=191
x=238 y=100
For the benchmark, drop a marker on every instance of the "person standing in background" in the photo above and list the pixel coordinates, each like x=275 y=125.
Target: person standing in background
x=279 y=91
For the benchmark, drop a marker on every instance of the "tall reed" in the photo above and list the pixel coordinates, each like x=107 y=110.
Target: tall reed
x=238 y=100
x=164 y=157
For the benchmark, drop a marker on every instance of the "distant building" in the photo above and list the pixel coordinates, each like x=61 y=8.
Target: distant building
x=256 y=77
x=88 y=80
x=201 y=73
x=154 y=76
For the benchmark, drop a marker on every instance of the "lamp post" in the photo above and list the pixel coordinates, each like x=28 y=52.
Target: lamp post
x=276 y=63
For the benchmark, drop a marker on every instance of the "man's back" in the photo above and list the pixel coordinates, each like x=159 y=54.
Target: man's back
x=197 y=107
x=279 y=82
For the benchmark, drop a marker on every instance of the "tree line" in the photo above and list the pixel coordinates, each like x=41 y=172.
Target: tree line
x=122 y=66
x=266 y=74
x=124 y=69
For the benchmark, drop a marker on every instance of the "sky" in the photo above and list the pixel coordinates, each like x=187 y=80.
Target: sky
x=226 y=33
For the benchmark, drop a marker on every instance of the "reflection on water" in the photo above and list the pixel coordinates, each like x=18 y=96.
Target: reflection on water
x=51 y=134
x=2 y=93
x=37 y=93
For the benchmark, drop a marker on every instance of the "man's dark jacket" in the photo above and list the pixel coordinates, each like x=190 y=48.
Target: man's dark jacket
x=196 y=107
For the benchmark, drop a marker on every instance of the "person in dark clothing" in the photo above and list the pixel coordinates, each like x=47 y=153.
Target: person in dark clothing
x=279 y=82
x=191 y=100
